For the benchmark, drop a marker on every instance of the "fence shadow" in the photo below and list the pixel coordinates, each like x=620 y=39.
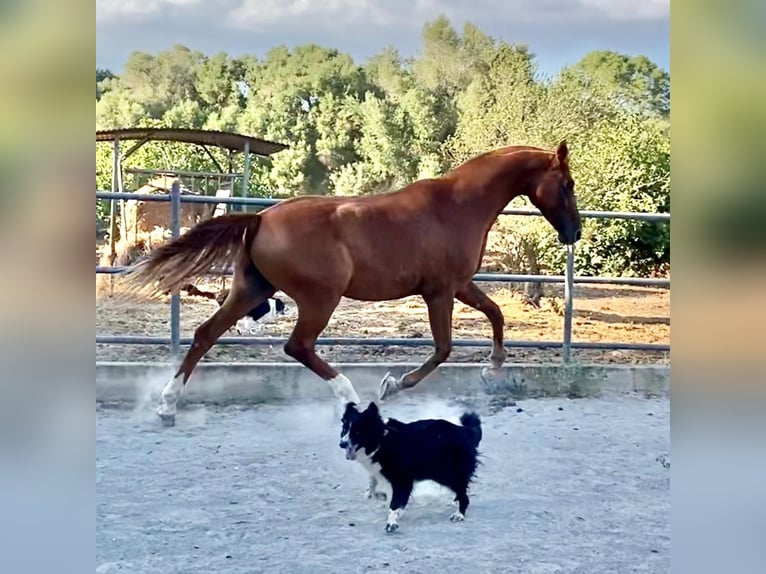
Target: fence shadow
x=601 y=292
x=614 y=318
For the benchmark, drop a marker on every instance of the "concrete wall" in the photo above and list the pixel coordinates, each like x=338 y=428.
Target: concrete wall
x=247 y=383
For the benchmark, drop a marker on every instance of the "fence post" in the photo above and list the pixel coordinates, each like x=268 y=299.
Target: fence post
x=568 y=288
x=116 y=167
x=245 y=176
x=175 y=299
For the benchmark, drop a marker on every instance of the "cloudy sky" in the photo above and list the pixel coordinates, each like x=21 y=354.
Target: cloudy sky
x=559 y=32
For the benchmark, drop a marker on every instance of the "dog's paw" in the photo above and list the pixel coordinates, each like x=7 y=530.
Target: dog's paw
x=457 y=517
x=392 y=527
x=376 y=494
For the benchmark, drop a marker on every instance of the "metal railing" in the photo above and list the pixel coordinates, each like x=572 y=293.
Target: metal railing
x=568 y=279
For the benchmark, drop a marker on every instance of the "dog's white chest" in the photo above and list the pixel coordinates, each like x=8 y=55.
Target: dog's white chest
x=373 y=469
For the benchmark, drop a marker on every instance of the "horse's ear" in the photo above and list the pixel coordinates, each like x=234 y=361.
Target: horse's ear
x=372 y=407
x=562 y=153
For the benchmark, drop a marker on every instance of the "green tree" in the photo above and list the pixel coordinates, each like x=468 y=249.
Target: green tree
x=103 y=81
x=217 y=80
x=367 y=129
x=286 y=102
x=636 y=82
x=620 y=161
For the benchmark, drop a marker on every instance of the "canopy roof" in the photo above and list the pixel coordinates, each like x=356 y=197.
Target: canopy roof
x=226 y=140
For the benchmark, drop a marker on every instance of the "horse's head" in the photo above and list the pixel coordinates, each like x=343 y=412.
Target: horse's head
x=554 y=197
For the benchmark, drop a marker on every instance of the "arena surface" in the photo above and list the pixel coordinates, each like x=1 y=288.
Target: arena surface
x=571 y=486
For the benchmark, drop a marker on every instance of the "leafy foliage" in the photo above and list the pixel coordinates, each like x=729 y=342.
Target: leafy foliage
x=368 y=129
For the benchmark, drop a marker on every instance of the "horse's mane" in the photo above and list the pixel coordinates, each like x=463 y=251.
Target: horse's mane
x=499 y=152
x=514 y=148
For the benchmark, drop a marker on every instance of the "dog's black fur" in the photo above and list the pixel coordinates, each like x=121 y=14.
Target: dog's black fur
x=258 y=311
x=429 y=449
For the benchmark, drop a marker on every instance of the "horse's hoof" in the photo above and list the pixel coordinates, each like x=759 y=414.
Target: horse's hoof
x=167 y=414
x=457 y=517
x=389 y=386
x=167 y=419
x=491 y=377
x=392 y=527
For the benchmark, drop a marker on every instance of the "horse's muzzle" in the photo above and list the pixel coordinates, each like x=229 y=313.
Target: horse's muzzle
x=570 y=235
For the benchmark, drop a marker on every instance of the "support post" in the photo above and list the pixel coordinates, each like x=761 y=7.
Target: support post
x=246 y=173
x=568 y=288
x=175 y=299
x=116 y=184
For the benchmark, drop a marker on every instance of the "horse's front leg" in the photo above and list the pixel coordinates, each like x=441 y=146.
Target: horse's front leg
x=440 y=318
x=474 y=297
x=238 y=302
x=313 y=315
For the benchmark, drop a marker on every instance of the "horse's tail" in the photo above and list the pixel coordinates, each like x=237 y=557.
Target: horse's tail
x=472 y=423
x=213 y=242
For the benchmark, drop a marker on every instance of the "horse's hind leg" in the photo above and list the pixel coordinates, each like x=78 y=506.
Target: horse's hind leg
x=313 y=317
x=245 y=294
x=474 y=297
x=440 y=318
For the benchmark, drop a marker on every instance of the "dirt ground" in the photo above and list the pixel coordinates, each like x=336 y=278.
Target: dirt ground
x=601 y=313
x=574 y=486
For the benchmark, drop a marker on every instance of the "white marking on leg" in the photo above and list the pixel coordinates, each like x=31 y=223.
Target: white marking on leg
x=246 y=325
x=392 y=522
x=389 y=386
x=457 y=516
x=169 y=396
x=272 y=316
x=343 y=389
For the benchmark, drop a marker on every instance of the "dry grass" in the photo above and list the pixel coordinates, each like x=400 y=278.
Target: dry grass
x=603 y=313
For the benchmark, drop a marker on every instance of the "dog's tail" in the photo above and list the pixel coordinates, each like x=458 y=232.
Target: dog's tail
x=472 y=422
x=192 y=290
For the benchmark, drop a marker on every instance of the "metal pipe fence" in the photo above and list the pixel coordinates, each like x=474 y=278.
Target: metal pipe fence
x=568 y=279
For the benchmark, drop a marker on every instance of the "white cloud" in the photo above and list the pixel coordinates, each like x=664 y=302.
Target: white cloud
x=117 y=10
x=254 y=14
x=630 y=9
x=307 y=13
x=335 y=14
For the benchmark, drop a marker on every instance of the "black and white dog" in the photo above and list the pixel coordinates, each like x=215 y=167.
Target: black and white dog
x=398 y=454
x=266 y=312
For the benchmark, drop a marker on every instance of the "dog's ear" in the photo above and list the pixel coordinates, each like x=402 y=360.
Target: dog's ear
x=350 y=409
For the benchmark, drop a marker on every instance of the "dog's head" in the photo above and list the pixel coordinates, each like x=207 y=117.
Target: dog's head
x=360 y=429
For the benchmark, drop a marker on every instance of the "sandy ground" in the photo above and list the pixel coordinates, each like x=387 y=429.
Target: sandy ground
x=603 y=313
x=564 y=486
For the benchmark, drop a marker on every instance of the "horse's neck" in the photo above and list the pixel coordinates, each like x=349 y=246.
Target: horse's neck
x=492 y=182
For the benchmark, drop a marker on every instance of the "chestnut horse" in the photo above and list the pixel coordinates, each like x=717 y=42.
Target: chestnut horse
x=426 y=239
